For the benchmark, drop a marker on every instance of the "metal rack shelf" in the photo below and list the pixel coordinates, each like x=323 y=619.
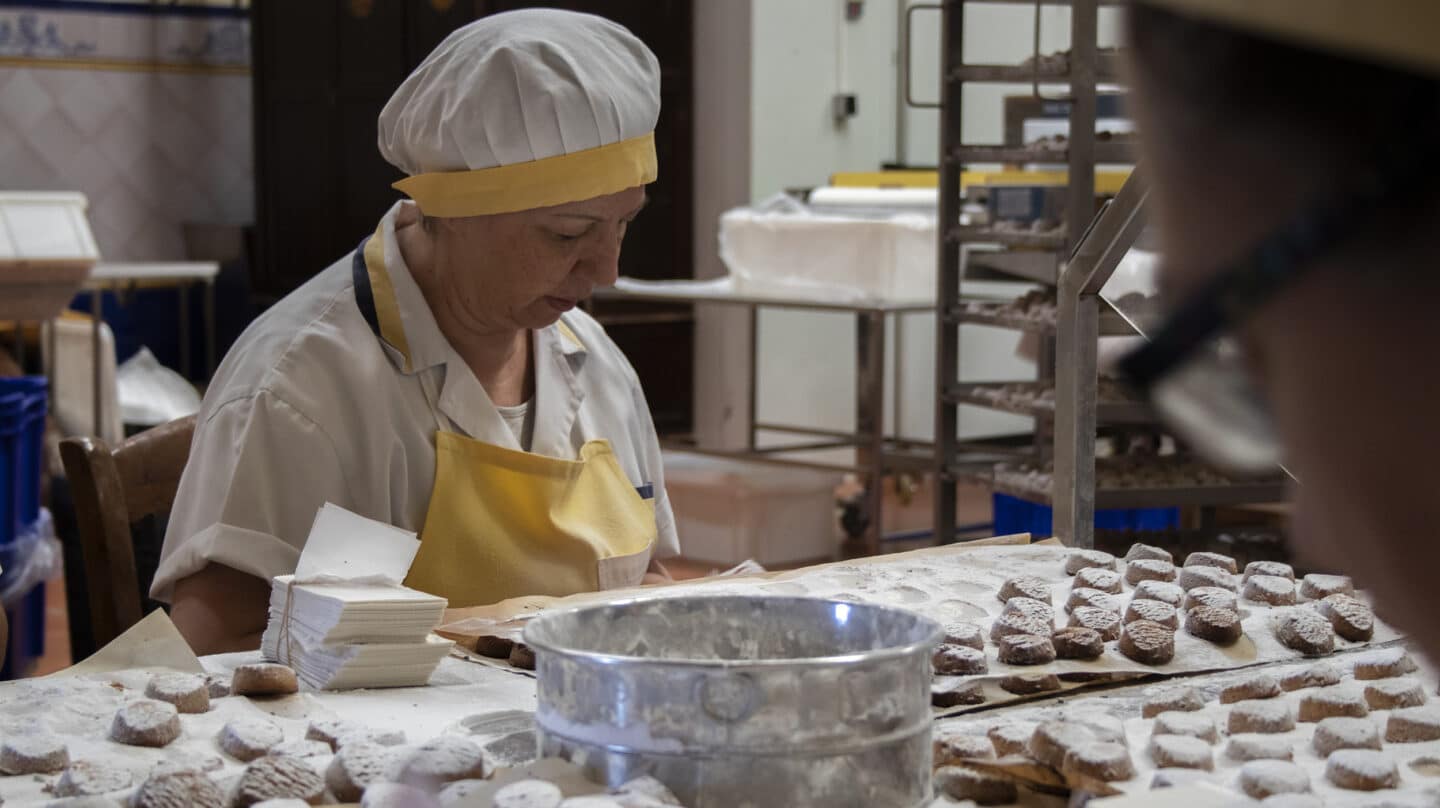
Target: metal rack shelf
x=1106 y=151
x=1037 y=266
x=1048 y=240
x=1238 y=492
x=995 y=314
x=986 y=394
x=1107 y=70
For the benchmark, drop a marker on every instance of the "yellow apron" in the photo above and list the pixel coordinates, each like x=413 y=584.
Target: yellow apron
x=503 y=523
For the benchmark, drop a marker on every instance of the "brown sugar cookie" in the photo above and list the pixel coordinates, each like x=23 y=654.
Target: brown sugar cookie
x=264 y=679
x=1161 y=591
x=442 y=760
x=1146 y=569
x=33 y=753
x=1106 y=624
x=957 y=694
x=1351 y=617
x=963 y=784
x=188 y=692
x=1181 y=752
x=1220 y=626
x=1248 y=746
x=1323 y=675
x=1344 y=733
x=1318 y=587
x=1196 y=577
x=1195 y=725
x=951 y=749
x=271 y=778
x=1052 y=740
x=1093 y=598
x=328 y=731
x=1260 y=779
x=1212 y=596
x=1154 y=611
x=1107 y=762
x=1275 y=568
x=522 y=656
x=357 y=766
x=1266 y=717
x=145 y=723
x=1362 y=770
x=1147 y=642
x=1413 y=725
x=1216 y=560
x=1395 y=694
x=1269 y=589
x=1385 y=664
x=1015 y=623
x=1259 y=686
x=1026 y=649
x=178 y=790
x=1148 y=551
x=966 y=634
x=1031 y=608
x=1306 y=632
x=1107 y=581
x=958 y=660
x=1073 y=642
x=1028 y=684
x=1011 y=738
x=1179 y=699
x=1332 y=702
x=246 y=739
x=1085 y=559
x=85 y=779
x=217 y=685
x=1025 y=586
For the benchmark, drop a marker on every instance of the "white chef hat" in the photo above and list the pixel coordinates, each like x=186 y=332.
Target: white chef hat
x=523 y=110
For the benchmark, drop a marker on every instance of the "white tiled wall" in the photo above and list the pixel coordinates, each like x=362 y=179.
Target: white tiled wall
x=151 y=150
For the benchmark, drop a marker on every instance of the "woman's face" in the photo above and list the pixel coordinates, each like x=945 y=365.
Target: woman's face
x=514 y=271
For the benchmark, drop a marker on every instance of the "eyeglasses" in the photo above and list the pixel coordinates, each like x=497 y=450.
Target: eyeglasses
x=1194 y=370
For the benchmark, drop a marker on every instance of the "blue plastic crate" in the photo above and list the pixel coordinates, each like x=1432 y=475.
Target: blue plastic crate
x=1014 y=515
x=23 y=402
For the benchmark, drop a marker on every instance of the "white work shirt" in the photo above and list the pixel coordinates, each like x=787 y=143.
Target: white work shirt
x=311 y=406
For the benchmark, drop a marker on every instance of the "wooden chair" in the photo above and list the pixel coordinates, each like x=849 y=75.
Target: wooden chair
x=113 y=489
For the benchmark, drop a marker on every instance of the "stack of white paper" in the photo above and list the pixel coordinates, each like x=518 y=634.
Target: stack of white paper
x=343 y=620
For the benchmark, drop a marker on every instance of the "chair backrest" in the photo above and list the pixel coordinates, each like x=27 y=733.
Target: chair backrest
x=112 y=489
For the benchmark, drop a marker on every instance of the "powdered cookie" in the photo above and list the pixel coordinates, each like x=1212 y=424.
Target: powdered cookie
x=246 y=739
x=1028 y=684
x=1265 y=778
x=1216 y=560
x=1362 y=770
x=180 y=790
x=1332 y=702
x=958 y=660
x=1220 y=626
x=1212 y=596
x=1137 y=572
x=1073 y=642
x=1106 y=624
x=370 y=735
x=1014 y=623
x=328 y=731
x=1413 y=725
x=1247 y=746
x=528 y=794
x=1385 y=664
x=1154 y=611
x=1025 y=586
x=279 y=778
x=957 y=694
x=355 y=767
x=1394 y=694
x=205 y=765
x=966 y=634
x=461 y=791
x=1103 y=580
x=1147 y=643
x=1305 y=631
x=33 y=753
x=1029 y=607
x=951 y=749
x=443 y=759
x=964 y=784
x=1144 y=551
x=217 y=685
x=145 y=723
x=1275 y=568
x=648 y=786
x=1196 y=577
x=264 y=679
x=1259 y=686
x=522 y=656
x=1010 y=740
x=1093 y=598
x=1181 y=699
x=1271 y=589
x=1195 y=725
x=1317 y=587
x=1085 y=559
x=1344 y=733
x=1026 y=649
x=85 y=779
x=189 y=693
x=1267 y=717
x=1107 y=762
x=1350 y=617
x=300 y=749
x=1052 y=740
x=1181 y=752
x=1314 y=676
x=1161 y=591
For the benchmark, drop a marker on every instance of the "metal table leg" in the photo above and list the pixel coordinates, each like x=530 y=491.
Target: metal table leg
x=870 y=418
x=95 y=321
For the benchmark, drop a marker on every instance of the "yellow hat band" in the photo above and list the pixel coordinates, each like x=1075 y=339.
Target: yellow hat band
x=538 y=184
